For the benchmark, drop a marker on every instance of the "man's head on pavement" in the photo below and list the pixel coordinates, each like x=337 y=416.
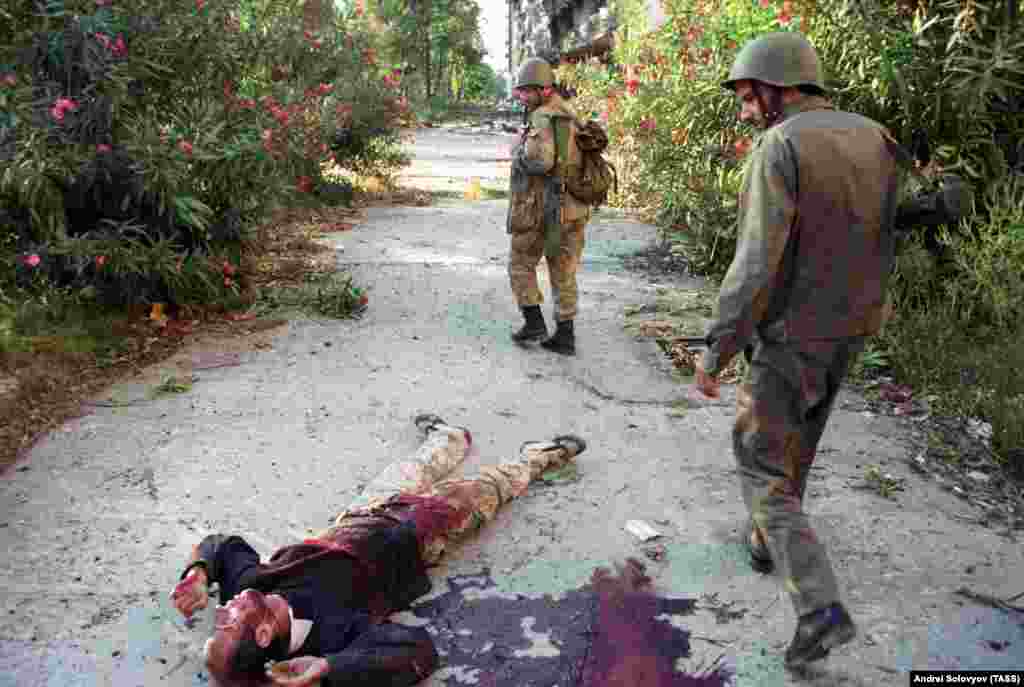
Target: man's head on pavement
x=771 y=72
x=250 y=630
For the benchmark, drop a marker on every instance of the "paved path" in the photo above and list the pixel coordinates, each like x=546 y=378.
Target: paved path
x=96 y=522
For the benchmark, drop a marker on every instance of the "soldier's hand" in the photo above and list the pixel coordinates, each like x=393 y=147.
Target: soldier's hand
x=706 y=384
x=191 y=595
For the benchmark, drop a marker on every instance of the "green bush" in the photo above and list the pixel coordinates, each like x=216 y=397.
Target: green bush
x=189 y=119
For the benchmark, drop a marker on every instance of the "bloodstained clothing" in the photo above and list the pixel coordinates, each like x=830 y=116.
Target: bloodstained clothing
x=345 y=586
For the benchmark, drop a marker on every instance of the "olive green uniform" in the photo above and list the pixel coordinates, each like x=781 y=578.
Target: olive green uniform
x=806 y=286
x=534 y=164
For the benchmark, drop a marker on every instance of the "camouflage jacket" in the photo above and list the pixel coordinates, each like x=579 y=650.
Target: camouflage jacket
x=815 y=236
x=533 y=159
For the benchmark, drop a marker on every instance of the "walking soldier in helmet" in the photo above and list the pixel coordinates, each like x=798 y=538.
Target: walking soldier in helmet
x=806 y=287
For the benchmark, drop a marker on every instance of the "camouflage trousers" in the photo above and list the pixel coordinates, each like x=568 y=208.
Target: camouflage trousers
x=473 y=501
x=782 y=408
x=526 y=251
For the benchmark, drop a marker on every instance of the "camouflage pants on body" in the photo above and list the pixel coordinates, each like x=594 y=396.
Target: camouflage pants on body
x=474 y=501
x=782 y=409
x=526 y=251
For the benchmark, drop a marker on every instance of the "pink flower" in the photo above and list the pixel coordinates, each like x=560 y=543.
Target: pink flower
x=317 y=43
x=32 y=260
x=784 y=19
x=325 y=88
x=103 y=148
x=104 y=3
x=547 y=92
x=200 y=4
x=185 y=147
x=9 y=80
x=101 y=260
x=766 y=3
x=61 y=106
x=119 y=49
x=648 y=123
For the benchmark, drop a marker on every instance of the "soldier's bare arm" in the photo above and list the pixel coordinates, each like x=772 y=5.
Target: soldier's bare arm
x=767 y=213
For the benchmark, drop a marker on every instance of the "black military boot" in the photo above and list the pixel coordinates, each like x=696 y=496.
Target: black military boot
x=817 y=633
x=564 y=340
x=534 y=329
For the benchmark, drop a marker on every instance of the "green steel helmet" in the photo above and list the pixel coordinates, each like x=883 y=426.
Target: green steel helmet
x=778 y=59
x=535 y=72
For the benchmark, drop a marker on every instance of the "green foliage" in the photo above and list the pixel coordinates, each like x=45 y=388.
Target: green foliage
x=190 y=120
x=331 y=295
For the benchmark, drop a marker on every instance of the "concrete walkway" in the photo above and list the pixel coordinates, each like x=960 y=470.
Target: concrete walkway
x=97 y=521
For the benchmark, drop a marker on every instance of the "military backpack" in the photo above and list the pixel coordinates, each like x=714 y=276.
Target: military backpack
x=595 y=177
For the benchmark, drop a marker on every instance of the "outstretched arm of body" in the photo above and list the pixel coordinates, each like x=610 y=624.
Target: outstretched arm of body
x=387 y=655
x=767 y=214
x=217 y=558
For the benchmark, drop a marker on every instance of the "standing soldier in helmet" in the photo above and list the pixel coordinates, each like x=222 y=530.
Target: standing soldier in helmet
x=806 y=287
x=543 y=218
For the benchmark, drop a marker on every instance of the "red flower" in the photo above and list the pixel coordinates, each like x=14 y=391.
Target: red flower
x=200 y=4
x=228 y=282
x=325 y=88
x=766 y=3
x=103 y=148
x=61 y=106
x=633 y=85
x=103 y=39
x=185 y=147
x=784 y=19
x=228 y=269
x=741 y=146
x=101 y=260
x=119 y=48
x=308 y=35
x=304 y=184
x=32 y=260
x=317 y=43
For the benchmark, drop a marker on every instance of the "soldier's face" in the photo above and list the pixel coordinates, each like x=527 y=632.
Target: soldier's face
x=750 y=106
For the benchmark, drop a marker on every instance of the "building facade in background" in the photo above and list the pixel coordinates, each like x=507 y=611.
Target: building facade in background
x=562 y=29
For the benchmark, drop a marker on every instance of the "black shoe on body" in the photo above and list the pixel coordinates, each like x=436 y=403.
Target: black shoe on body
x=534 y=329
x=819 y=632
x=564 y=340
